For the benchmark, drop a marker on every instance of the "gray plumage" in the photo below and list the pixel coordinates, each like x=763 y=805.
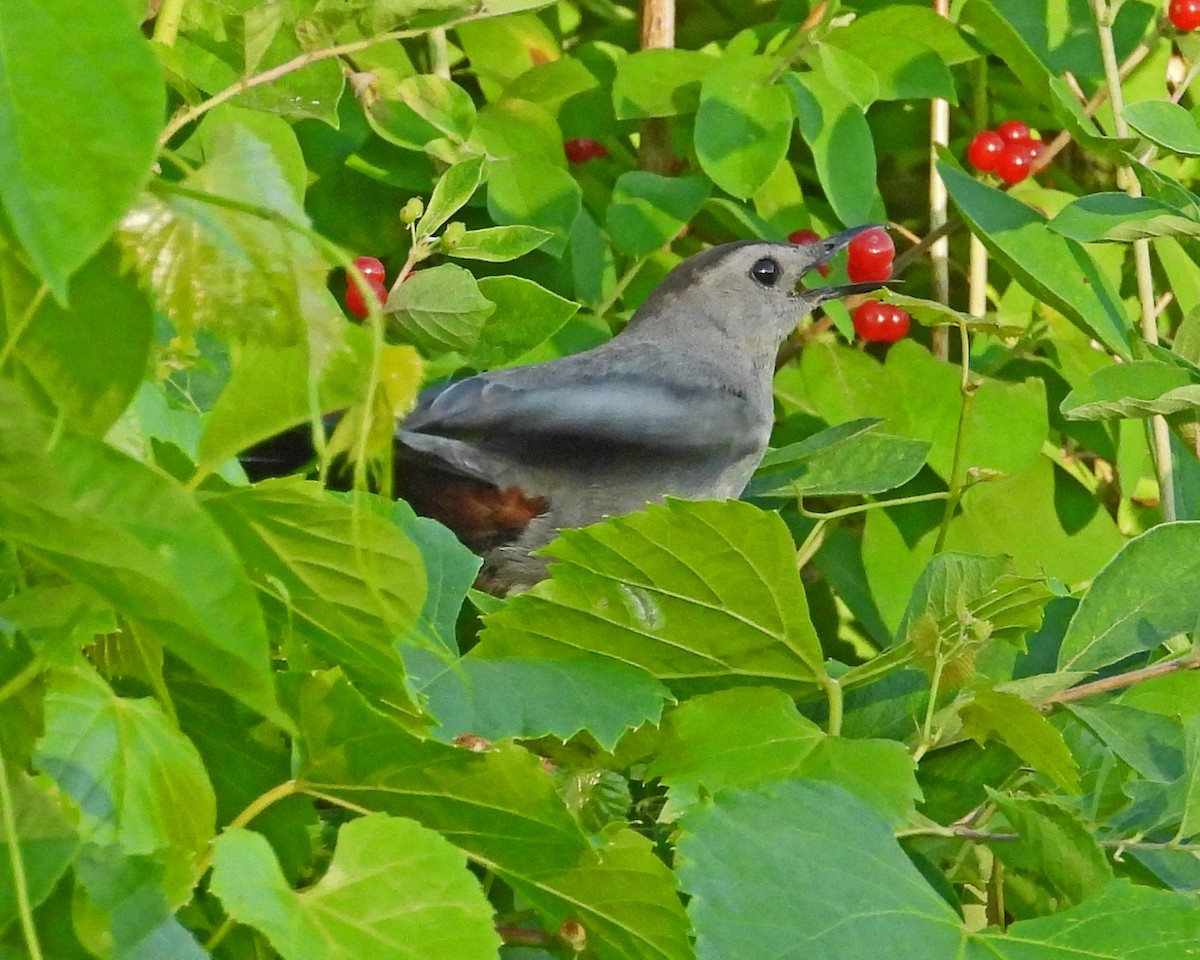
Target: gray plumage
x=679 y=404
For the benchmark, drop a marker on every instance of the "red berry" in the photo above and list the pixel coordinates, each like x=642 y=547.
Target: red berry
x=370 y=268
x=984 y=150
x=1013 y=130
x=1016 y=161
x=870 y=256
x=809 y=236
x=1184 y=14
x=354 y=297
x=879 y=322
x=583 y=149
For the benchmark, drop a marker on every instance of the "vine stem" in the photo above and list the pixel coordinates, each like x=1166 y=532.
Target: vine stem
x=275 y=73
x=166 y=24
x=1122 y=680
x=1160 y=432
x=22 y=324
x=20 y=884
x=812 y=543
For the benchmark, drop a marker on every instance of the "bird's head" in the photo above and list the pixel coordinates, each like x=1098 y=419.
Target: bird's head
x=753 y=291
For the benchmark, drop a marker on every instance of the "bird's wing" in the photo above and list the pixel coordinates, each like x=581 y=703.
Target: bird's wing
x=620 y=410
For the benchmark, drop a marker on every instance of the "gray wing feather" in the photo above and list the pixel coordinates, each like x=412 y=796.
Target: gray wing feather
x=626 y=411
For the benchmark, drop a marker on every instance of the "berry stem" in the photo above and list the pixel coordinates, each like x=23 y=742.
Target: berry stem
x=1160 y=432
x=956 y=465
x=166 y=23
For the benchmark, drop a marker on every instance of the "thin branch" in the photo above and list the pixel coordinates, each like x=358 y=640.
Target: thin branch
x=275 y=73
x=1121 y=680
x=8 y=819
x=939 y=204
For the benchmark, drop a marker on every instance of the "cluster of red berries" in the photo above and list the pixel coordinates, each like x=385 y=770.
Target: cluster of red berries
x=1009 y=151
x=374 y=273
x=584 y=149
x=1184 y=14
x=869 y=260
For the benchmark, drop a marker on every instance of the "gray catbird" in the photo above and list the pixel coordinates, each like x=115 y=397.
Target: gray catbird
x=677 y=404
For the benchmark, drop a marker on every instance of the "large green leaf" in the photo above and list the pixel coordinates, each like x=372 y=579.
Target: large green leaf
x=660 y=83
x=46 y=843
x=1140 y=388
x=1121 y=218
x=534 y=193
x=743 y=124
x=243 y=274
x=90 y=356
x=701 y=595
x=502 y=808
x=748 y=858
x=995 y=715
x=734 y=738
x=852 y=458
x=835 y=129
x=1167 y=124
x=909 y=49
x=439 y=309
x=1136 y=601
x=126 y=892
x=412 y=111
x=1052 y=267
x=341 y=576
x=139 y=541
x=647 y=210
x=526 y=315
x=394 y=891
x=63 y=201
x=559 y=698
x=128 y=768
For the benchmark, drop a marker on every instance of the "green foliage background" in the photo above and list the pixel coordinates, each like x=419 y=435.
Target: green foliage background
x=925 y=692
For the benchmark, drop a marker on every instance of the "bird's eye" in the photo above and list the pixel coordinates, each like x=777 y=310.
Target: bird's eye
x=766 y=271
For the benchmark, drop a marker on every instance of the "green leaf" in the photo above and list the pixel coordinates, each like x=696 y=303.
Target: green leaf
x=90 y=357
x=836 y=131
x=1121 y=218
x=1022 y=728
x=518 y=130
x=1069 y=112
x=660 y=83
x=393 y=890
x=268 y=392
x=1011 y=45
x=440 y=309
x=499 y=244
x=452 y=190
x=140 y=542
x=852 y=458
x=625 y=899
x=62 y=204
x=338 y=574
x=1135 y=603
x=534 y=193
x=881 y=773
x=138 y=917
x=412 y=111
x=1111 y=925
x=240 y=274
x=1150 y=743
x=1167 y=124
x=909 y=51
x=743 y=124
x=1054 y=268
x=46 y=843
x=526 y=315
x=1140 y=388
x=559 y=698
x=1057 y=863
x=648 y=210
x=734 y=738
x=127 y=766
x=737 y=860
x=702 y=595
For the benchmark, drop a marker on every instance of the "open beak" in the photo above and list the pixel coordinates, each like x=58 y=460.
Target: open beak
x=830 y=247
